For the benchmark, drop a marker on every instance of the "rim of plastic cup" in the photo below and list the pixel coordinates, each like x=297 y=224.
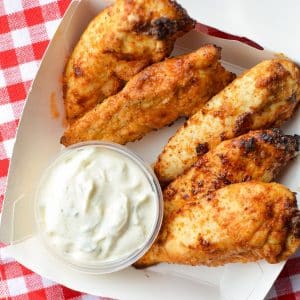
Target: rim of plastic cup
x=111 y=265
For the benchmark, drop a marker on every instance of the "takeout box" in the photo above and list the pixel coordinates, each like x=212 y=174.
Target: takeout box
x=38 y=142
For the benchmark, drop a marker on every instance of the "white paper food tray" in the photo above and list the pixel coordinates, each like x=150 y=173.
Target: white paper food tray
x=37 y=143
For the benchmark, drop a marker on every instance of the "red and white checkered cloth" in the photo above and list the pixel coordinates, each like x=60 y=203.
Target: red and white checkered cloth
x=26 y=26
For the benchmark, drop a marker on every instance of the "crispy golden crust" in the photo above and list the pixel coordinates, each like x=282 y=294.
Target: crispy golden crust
x=241 y=222
x=122 y=40
x=258 y=155
x=263 y=97
x=154 y=98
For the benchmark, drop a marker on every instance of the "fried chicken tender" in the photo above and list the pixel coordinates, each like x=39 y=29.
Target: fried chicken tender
x=258 y=155
x=263 y=97
x=154 y=98
x=242 y=222
x=122 y=40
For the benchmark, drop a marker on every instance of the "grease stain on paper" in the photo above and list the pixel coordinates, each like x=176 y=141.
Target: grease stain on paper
x=53 y=106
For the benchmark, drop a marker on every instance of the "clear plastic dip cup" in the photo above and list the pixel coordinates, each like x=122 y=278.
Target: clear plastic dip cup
x=98 y=207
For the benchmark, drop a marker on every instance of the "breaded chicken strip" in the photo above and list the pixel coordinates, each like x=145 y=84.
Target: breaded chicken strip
x=257 y=155
x=241 y=222
x=154 y=98
x=122 y=40
x=263 y=97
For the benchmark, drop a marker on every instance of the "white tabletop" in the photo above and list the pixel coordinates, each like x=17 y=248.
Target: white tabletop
x=275 y=25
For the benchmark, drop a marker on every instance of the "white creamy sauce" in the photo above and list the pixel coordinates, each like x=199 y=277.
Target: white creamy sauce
x=95 y=205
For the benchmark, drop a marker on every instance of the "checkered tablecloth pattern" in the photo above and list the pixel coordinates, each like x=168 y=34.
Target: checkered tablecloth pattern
x=26 y=26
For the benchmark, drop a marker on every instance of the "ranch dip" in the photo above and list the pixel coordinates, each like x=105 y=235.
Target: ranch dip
x=95 y=204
